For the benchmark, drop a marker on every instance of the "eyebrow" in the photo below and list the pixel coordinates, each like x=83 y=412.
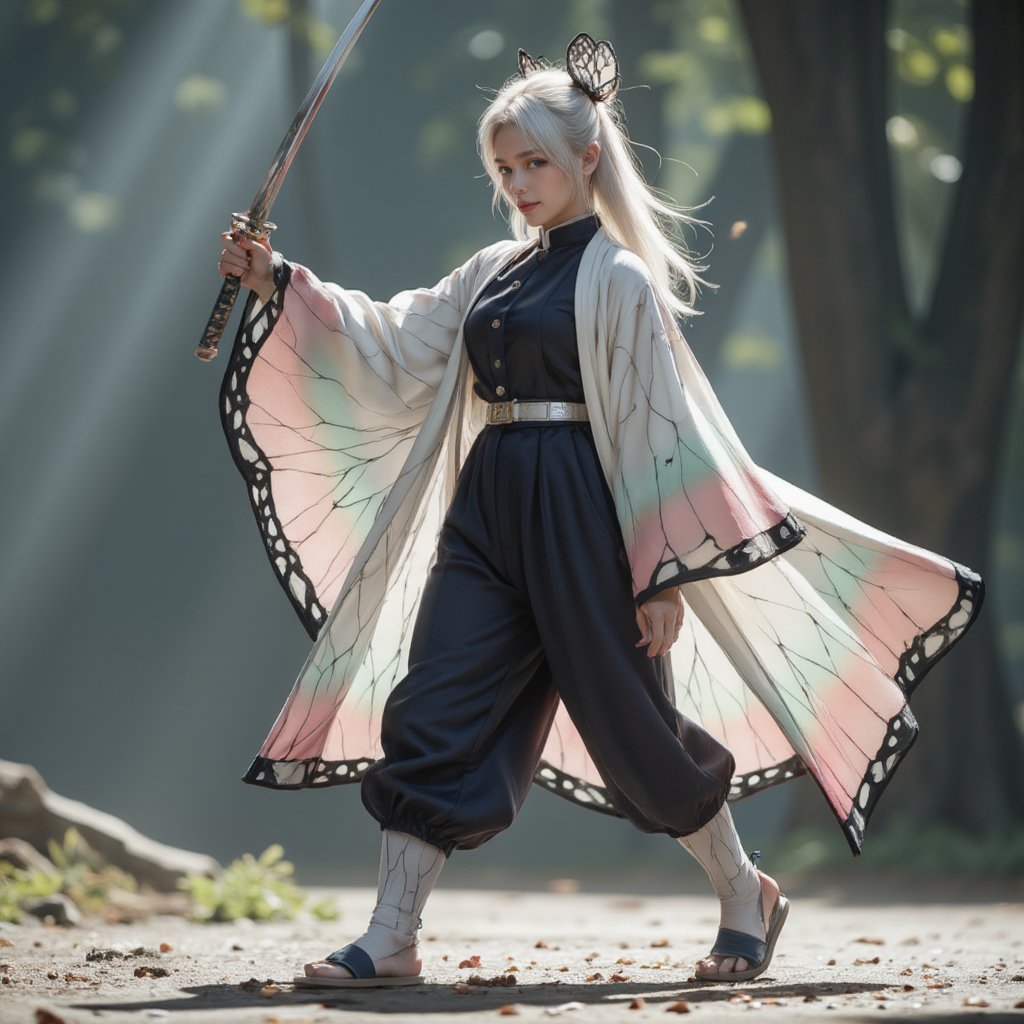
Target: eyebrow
x=519 y=156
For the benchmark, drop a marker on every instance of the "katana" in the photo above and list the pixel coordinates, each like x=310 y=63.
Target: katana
x=253 y=223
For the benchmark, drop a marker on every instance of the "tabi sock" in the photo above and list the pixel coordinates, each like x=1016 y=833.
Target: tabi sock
x=408 y=870
x=718 y=850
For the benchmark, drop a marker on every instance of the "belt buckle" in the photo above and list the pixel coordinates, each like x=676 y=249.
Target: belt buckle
x=501 y=412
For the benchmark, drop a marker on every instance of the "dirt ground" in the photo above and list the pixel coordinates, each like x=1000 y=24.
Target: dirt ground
x=583 y=956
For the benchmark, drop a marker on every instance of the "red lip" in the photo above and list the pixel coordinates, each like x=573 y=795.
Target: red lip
x=526 y=206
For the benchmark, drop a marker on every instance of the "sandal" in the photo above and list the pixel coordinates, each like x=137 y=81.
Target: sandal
x=364 y=974
x=757 y=952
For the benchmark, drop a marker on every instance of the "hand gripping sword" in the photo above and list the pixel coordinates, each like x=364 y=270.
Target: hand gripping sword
x=253 y=223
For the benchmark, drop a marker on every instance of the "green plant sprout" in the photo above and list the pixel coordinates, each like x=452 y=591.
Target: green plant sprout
x=260 y=888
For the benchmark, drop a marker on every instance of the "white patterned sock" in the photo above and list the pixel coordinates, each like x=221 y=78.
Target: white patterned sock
x=718 y=850
x=408 y=870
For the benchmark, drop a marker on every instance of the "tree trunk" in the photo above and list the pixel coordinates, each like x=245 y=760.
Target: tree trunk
x=909 y=415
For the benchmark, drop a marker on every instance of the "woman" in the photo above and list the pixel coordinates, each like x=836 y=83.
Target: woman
x=476 y=493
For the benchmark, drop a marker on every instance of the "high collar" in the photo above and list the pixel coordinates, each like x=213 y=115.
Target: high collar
x=579 y=229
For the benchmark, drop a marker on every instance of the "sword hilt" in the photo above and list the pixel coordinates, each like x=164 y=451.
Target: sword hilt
x=251 y=227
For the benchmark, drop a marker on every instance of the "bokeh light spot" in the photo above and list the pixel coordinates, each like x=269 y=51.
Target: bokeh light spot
x=93 y=212
x=486 y=45
x=199 y=92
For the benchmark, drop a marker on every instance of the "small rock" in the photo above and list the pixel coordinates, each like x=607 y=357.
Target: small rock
x=638 y=1004
x=146 y=971
x=659 y=943
x=25 y=856
x=58 y=907
x=679 y=1006
x=509 y=1010
x=976 y=1001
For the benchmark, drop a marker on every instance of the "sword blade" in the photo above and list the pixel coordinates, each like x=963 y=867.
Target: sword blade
x=254 y=222
x=267 y=193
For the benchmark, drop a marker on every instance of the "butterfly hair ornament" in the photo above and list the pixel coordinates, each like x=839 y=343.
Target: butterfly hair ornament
x=593 y=67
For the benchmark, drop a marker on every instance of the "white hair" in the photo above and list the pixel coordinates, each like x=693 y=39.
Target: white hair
x=560 y=120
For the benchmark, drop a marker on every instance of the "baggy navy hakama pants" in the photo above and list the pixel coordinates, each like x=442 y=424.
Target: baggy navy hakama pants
x=530 y=601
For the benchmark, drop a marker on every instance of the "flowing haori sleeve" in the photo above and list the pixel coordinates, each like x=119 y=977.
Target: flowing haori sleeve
x=806 y=630
x=691 y=503
x=322 y=399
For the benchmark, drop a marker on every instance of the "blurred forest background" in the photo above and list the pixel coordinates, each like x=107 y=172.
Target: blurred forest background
x=864 y=165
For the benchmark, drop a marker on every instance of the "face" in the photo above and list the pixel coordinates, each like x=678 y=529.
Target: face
x=530 y=181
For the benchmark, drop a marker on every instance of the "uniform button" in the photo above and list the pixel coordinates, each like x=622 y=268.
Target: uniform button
x=499 y=390
x=495 y=323
x=497 y=364
x=517 y=284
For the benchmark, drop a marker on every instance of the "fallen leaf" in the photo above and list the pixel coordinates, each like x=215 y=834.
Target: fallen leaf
x=7 y=942
x=638 y=1004
x=976 y=1001
x=679 y=1006
x=659 y=943
x=866 y=960
x=870 y=941
x=563 y=885
x=498 y=980
x=76 y=977
x=619 y=977
x=627 y=960
x=511 y=969
x=473 y=961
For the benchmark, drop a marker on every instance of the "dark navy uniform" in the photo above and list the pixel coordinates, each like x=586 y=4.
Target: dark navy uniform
x=529 y=601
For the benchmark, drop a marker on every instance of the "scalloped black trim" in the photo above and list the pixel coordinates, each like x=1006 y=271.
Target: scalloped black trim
x=252 y=462
x=748 y=554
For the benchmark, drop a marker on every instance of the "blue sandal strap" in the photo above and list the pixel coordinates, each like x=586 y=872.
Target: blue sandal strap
x=730 y=942
x=354 y=959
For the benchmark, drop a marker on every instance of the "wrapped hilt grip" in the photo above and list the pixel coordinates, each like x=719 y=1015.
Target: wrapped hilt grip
x=207 y=348
x=253 y=226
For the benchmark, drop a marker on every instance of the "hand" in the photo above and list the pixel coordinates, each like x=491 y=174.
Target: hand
x=249 y=260
x=659 y=620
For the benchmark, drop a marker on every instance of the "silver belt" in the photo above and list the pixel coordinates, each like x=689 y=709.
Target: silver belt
x=516 y=411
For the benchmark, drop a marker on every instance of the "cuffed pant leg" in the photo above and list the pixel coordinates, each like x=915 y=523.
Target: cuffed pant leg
x=463 y=732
